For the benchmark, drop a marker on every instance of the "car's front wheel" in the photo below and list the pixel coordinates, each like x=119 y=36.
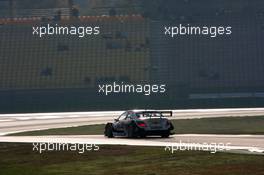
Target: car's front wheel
x=109 y=130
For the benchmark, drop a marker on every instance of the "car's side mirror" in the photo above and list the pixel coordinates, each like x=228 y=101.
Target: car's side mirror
x=116 y=120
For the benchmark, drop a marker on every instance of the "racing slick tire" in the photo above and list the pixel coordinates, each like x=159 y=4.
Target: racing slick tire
x=109 y=130
x=142 y=136
x=166 y=134
x=171 y=126
x=131 y=130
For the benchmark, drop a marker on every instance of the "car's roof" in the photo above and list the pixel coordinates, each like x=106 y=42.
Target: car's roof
x=142 y=110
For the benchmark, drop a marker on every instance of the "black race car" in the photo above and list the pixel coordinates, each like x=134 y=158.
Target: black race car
x=140 y=124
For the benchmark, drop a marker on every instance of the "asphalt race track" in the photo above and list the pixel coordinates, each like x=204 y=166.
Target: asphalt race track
x=12 y=123
x=247 y=144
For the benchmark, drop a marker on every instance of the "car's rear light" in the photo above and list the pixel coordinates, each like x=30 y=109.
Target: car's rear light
x=141 y=124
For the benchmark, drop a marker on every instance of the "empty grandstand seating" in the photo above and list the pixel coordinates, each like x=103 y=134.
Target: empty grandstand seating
x=62 y=72
x=203 y=64
x=59 y=61
x=121 y=53
x=24 y=13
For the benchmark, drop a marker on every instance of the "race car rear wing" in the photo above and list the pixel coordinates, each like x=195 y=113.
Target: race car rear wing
x=168 y=113
x=163 y=113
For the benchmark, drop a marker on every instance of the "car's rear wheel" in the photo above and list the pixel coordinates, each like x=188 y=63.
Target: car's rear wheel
x=166 y=134
x=171 y=126
x=131 y=130
x=143 y=135
x=109 y=130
